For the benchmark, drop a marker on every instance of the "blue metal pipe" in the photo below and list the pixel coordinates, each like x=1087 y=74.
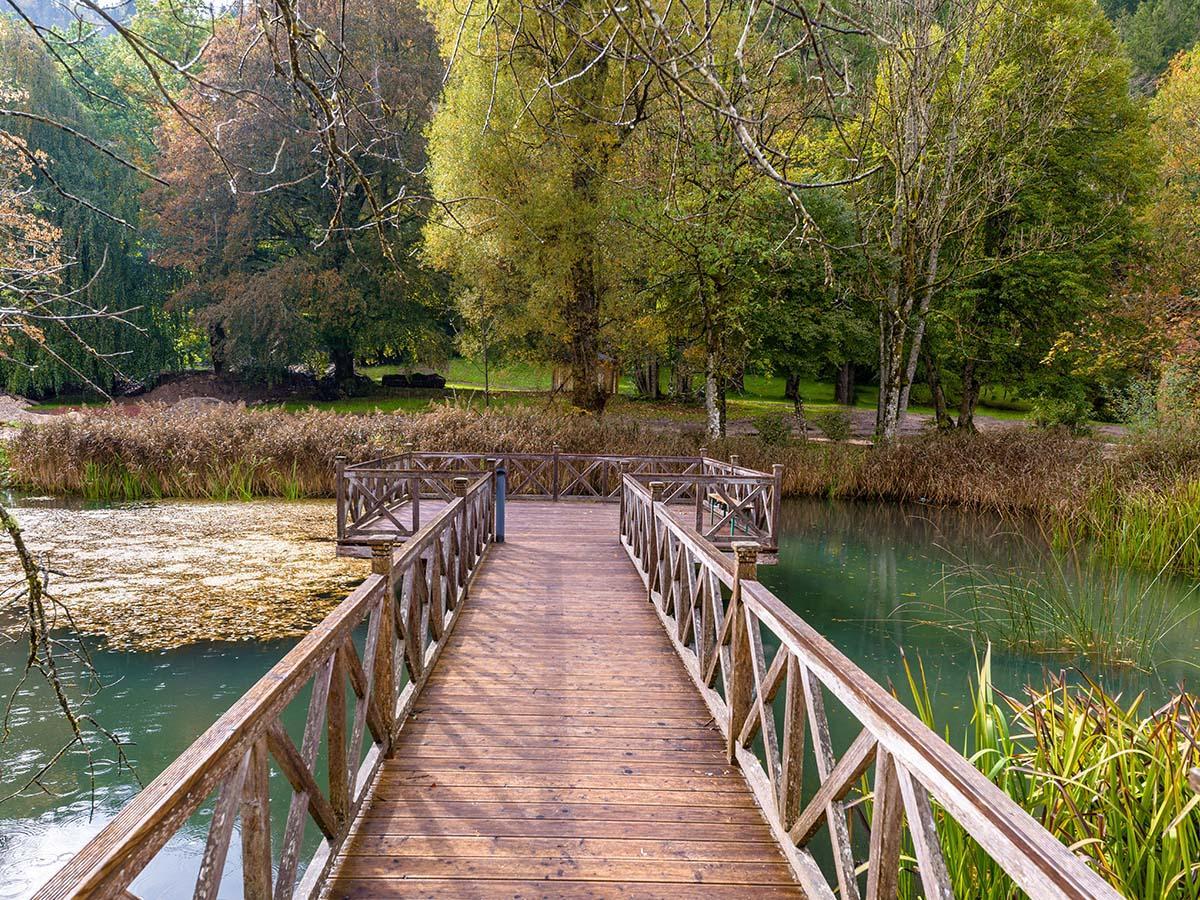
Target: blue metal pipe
x=501 y=487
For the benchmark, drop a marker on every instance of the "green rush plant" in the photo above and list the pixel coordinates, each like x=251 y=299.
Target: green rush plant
x=1104 y=777
x=1067 y=600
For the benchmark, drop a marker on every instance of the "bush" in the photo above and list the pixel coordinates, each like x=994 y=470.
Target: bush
x=835 y=423
x=774 y=429
x=1072 y=413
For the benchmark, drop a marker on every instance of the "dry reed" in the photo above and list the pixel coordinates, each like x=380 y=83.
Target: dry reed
x=232 y=451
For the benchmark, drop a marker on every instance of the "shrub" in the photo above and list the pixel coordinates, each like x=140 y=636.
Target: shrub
x=835 y=423
x=774 y=429
x=1071 y=413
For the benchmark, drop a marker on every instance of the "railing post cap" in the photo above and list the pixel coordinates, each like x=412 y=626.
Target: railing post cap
x=746 y=552
x=460 y=485
x=381 y=556
x=656 y=489
x=340 y=457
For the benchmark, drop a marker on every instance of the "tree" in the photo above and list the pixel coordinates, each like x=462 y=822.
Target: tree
x=813 y=322
x=284 y=271
x=1155 y=32
x=1161 y=305
x=697 y=233
x=1077 y=203
x=90 y=199
x=522 y=149
x=968 y=100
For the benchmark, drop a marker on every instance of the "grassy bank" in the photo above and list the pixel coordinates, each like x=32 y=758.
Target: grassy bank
x=1142 y=502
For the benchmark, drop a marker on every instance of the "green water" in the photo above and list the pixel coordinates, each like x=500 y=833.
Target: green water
x=865 y=575
x=160 y=702
x=874 y=579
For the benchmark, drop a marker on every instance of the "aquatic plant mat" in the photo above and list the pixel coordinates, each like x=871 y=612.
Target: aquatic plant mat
x=159 y=575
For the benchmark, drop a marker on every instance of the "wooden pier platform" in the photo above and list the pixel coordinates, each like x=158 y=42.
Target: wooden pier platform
x=559 y=747
x=553 y=716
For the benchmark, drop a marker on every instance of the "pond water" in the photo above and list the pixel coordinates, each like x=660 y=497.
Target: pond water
x=875 y=579
x=886 y=583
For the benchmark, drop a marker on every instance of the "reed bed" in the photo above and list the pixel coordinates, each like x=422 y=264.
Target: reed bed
x=234 y=450
x=1141 y=504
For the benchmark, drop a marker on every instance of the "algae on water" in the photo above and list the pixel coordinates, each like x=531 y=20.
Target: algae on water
x=159 y=575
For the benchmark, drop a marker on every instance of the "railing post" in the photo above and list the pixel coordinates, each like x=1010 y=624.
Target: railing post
x=741 y=678
x=385 y=667
x=339 y=469
x=652 y=564
x=622 y=468
x=461 y=483
x=776 y=504
x=554 y=472
x=733 y=459
x=498 y=506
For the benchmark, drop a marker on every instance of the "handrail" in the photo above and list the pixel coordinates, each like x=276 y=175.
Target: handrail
x=742 y=502
x=715 y=612
x=410 y=603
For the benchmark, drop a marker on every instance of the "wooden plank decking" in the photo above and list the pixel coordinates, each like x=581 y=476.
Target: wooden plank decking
x=559 y=747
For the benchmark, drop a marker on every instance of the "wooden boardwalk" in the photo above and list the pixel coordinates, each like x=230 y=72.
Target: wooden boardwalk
x=559 y=747
x=551 y=716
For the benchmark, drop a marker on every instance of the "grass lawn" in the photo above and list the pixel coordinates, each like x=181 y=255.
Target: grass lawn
x=520 y=383
x=763 y=394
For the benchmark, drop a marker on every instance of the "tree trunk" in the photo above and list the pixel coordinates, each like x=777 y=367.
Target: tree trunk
x=892 y=333
x=791 y=387
x=342 y=358
x=844 y=391
x=646 y=379
x=216 y=348
x=714 y=392
x=941 y=413
x=584 y=326
x=970 y=397
x=583 y=313
x=681 y=383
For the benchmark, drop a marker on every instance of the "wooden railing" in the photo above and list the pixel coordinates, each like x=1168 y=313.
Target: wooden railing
x=722 y=622
x=408 y=605
x=382 y=496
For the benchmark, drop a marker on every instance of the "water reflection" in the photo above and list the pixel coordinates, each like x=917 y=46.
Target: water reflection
x=871 y=577
x=160 y=702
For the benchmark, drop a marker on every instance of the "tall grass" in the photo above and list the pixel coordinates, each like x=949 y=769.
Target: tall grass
x=1138 y=503
x=1103 y=776
x=1068 y=600
x=1147 y=526
x=225 y=449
